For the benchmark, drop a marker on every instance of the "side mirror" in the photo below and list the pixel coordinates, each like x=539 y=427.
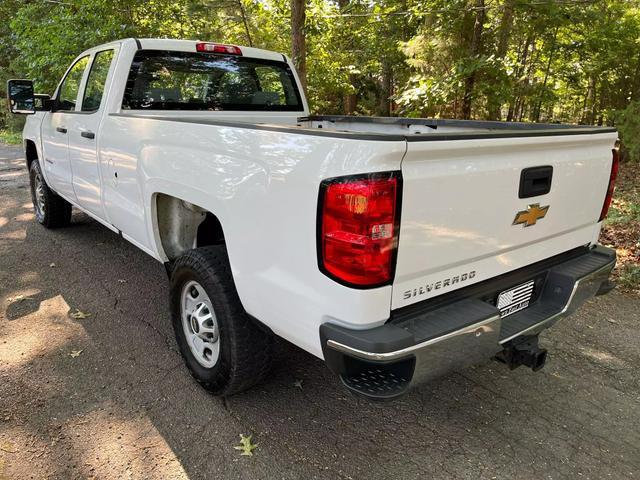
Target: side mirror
x=21 y=97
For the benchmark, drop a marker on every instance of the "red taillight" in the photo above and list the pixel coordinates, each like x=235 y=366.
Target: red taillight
x=218 y=48
x=615 y=165
x=358 y=230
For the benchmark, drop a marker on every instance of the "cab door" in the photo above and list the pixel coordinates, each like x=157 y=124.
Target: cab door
x=83 y=128
x=55 y=130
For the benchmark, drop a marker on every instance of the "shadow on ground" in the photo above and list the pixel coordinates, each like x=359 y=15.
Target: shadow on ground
x=107 y=396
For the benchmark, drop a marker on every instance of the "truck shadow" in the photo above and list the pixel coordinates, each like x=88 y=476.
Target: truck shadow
x=138 y=410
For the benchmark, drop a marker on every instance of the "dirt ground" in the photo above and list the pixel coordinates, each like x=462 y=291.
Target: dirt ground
x=107 y=396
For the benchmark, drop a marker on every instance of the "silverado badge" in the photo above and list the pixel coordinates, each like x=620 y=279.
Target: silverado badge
x=531 y=215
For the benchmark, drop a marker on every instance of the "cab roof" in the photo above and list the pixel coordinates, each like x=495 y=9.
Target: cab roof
x=190 y=46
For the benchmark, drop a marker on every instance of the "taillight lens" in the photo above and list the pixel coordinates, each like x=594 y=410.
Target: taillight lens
x=218 y=48
x=615 y=165
x=358 y=228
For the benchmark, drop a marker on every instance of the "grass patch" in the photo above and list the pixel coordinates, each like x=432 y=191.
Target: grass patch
x=629 y=276
x=11 y=138
x=622 y=228
x=623 y=211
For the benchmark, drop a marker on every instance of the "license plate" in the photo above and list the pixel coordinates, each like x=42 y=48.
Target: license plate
x=515 y=299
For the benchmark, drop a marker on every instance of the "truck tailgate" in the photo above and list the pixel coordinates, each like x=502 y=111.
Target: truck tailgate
x=461 y=197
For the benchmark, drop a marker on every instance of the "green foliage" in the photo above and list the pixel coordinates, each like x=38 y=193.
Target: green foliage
x=532 y=60
x=246 y=446
x=538 y=61
x=623 y=212
x=628 y=122
x=630 y=276
x=10 y=137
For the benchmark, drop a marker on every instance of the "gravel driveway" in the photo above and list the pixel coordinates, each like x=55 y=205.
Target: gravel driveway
x=107 y=396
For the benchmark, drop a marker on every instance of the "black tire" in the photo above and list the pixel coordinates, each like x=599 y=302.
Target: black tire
x=246 y=348
x=55 y=211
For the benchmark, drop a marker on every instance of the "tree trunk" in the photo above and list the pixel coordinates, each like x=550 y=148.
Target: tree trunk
x=350 y=100
x=538 y=107
x=506 y=24
x=529 y=82
x=474 y=50
x=386 y=84
x=522 y=64
x=298 y=39
x=589 y=102
x=504 y=35
x=245 y=22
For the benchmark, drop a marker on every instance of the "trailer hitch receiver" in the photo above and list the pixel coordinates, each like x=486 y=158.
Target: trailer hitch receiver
x=526 y=352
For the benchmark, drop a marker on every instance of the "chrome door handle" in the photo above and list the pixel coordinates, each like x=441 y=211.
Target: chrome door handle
x=61 y=129
x=87 y=134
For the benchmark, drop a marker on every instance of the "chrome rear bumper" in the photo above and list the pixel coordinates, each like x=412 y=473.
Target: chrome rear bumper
x=386 y=361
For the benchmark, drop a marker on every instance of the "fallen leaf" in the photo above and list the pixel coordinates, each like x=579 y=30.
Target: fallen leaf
x=246 y=446
x=298 y=384
x=611 y=320
x=75 y=353
x=78 y=315
x=8 y=448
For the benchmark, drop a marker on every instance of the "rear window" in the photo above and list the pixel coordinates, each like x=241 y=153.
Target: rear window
x=163 y=80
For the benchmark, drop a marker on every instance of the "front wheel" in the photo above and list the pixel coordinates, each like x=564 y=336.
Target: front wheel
x=223 y=347
x=51 y=209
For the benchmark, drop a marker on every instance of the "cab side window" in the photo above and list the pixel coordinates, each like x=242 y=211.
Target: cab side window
x=96 y=81
x=70 y=87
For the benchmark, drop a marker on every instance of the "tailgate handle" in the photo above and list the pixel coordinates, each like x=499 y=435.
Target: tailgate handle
x=535 y=181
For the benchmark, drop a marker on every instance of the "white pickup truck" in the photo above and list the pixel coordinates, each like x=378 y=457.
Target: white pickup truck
x=395 y=249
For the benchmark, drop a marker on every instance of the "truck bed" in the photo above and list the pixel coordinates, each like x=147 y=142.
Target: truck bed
x=460 y=190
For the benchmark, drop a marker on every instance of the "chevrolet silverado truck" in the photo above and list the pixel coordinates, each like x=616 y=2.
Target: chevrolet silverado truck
x=395 y=249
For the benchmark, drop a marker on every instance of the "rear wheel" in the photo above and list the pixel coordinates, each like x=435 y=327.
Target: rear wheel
x=223 y=347
x=51 y=209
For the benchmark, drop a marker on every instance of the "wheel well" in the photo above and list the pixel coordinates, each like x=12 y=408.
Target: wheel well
x=183 y=226
x=31 y=152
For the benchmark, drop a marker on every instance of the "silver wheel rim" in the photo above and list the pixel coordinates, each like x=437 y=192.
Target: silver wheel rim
x=38 y=194
x=200 y=324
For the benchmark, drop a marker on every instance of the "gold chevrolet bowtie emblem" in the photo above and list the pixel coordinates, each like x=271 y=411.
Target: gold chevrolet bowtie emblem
x=531 y=215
